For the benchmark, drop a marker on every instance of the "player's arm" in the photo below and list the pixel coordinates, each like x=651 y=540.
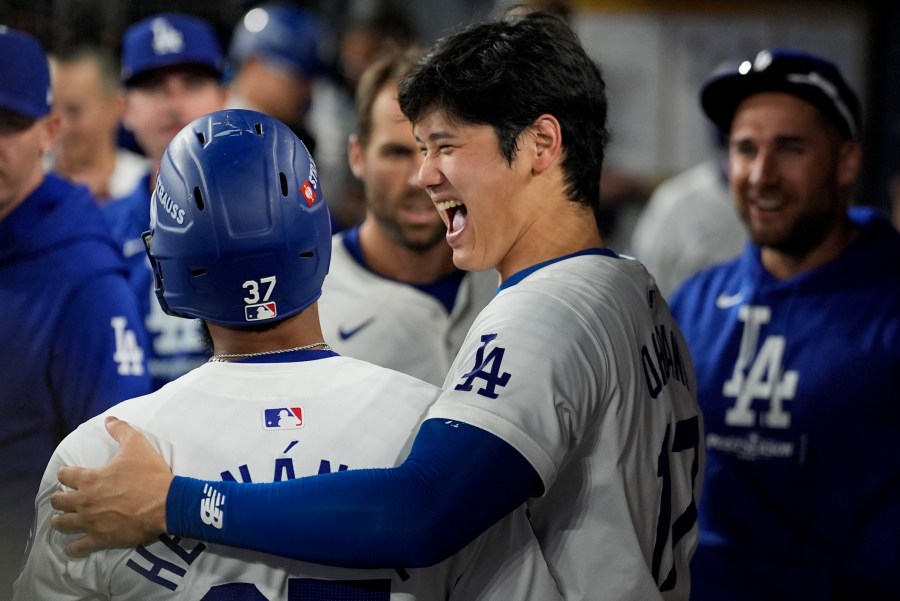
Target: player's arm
x=456 y=482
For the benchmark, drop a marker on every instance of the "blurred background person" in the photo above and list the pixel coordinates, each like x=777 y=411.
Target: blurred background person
x=689 y=221
x=171 y=71
x=393 y=296
x=274 y=59
x=366 y=39
x=74 y=336
x=797 y=349
x=86 y=96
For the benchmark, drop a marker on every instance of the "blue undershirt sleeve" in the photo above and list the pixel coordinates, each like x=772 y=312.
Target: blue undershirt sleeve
x=457 y=481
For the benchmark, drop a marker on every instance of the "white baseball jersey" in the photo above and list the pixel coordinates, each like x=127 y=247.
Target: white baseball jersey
x=269 y=422
x=688 y=223
x=393 y=324
x=581 y=368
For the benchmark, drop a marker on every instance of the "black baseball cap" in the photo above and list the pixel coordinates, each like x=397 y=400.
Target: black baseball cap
x=811 y=78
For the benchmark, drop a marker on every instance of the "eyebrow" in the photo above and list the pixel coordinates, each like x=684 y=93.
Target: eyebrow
x=438 y=135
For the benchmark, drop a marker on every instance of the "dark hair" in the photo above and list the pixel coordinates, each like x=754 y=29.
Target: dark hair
x=102 y=58
x=506 y=74
x=393 y=64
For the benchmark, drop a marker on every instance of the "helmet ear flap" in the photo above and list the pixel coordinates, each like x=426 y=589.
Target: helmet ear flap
x=158 y=286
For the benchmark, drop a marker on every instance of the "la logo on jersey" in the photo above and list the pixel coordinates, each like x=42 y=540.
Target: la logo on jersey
x=166 y=39
x=760 y=375
x=128 y=355
x=283 y=418
x=260 y=312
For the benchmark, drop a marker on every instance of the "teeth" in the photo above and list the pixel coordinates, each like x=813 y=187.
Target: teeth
x=448 y=204
x=769 y=204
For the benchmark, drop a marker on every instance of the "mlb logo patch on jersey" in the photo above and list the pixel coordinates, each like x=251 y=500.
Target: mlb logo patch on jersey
x=260 y=312
x=283 y=418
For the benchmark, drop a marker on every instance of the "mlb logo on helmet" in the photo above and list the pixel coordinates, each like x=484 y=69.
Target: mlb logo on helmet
x=260 y=312
x=309 y=193
x=282 y=418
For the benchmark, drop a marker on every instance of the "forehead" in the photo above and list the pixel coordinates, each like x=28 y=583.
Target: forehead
x=386 y=106
x=438 y=124
x=770 y=111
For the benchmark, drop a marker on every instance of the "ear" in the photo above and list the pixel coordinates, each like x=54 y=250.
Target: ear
x=119 y=105
x=50 y=131
x=547 y=140
x=849 y=162
x=356 y=157
x=127 y=111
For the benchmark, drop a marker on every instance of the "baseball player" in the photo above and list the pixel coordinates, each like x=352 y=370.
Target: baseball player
x=573 y=391
x=239 y=224
x=393 y=296
x=797 y=347
x=171 y=74
x=73 y=339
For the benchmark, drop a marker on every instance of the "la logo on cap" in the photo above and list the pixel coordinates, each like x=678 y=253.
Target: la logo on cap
x=166 y=39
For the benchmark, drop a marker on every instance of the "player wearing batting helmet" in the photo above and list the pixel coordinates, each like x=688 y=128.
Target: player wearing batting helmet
x=240 y=238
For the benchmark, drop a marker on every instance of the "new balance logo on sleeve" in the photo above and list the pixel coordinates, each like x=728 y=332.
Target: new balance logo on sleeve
x=210 y=507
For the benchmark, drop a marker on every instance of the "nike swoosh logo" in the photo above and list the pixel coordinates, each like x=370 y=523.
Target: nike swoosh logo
x=347 y=334
x=726 y=301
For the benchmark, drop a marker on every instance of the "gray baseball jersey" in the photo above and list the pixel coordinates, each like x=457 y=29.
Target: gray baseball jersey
x=580 y=366
x=266 y=422
x=393 y=324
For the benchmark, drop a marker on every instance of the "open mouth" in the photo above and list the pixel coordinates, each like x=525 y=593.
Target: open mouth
x=456 y=214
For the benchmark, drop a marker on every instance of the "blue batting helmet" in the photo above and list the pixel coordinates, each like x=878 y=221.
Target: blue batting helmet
x=283 y=34
x=240 y=233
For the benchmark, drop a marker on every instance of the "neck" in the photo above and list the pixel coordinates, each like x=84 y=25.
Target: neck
x=300 y=330
x=9 y=204
x=93 y=170
x=784 y=265
x=392 y=260
x=102 y=159
x=567 y=229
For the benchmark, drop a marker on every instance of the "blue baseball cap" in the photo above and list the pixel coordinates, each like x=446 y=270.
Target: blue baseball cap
x=286 y=35
x=167 y=40
x=811 y=78
x=24 y=75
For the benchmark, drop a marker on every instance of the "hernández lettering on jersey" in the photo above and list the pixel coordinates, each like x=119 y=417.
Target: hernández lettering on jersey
x=664 y=362
x=167 y=564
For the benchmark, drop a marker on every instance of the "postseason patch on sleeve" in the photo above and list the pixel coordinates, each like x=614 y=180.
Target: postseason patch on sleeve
x=283 y=418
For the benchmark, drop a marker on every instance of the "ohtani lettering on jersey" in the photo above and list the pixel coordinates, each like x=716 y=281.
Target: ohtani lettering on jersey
x=664 y=362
